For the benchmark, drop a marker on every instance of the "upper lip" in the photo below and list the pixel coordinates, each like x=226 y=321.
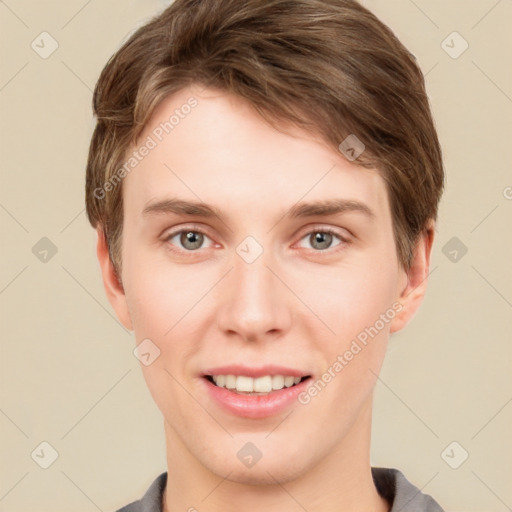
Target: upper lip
x=255 y=371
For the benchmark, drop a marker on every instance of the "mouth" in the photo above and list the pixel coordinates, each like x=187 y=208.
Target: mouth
x=254 y=392
x=255 y=386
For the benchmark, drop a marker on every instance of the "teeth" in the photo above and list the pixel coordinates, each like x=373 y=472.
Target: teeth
x=263 y=384
x=277 y=382
x=288 y=382
x=244 y=384
x=230 y=382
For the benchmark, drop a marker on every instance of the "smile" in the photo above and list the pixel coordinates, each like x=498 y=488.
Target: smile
x=254 y=393
x=244 y=384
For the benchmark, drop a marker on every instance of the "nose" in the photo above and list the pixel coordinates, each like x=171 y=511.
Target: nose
x=253 y=303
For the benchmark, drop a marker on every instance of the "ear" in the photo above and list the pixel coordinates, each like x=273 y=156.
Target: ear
x=111 y=282
x=414 y=282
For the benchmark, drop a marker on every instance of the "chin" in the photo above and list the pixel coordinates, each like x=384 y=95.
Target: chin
x=247 y=477
x=281 y=469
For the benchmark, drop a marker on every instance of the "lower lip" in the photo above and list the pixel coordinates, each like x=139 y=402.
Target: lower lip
x=255 y=406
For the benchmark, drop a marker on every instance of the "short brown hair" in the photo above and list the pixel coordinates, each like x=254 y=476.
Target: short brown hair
x=327 y=66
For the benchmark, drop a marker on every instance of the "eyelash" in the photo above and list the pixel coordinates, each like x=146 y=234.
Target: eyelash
x=196 y=229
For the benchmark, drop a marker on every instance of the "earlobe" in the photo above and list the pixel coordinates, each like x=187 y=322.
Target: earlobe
x=111 y=282
x=410 y=294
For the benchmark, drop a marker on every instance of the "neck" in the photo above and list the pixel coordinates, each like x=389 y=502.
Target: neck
x=341 y=482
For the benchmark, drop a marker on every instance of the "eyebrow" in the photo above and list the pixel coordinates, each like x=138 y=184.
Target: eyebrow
x=299 y=210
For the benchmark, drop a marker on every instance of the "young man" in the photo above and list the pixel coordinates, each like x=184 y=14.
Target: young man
x=264 y=179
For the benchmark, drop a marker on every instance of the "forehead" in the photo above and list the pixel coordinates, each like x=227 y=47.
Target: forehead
x=210 y=146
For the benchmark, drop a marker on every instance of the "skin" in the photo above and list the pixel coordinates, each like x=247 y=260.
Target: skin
x=297 y=305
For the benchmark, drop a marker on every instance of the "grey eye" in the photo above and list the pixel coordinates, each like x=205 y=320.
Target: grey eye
x=321 y=240
x=191 y=240
x=188 y=239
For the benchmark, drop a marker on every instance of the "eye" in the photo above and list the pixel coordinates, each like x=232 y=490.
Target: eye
x=189 y=239
x=322 y=239
x=192 y=239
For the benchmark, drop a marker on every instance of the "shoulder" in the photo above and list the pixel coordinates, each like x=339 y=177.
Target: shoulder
x=402 y=494
x=152 y=499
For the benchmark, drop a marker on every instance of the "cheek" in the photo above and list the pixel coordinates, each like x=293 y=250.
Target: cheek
x=157 y=291
x=161 y=301
x=150 y=309
x=352 y=306
x=167 y=303
x=351 y=297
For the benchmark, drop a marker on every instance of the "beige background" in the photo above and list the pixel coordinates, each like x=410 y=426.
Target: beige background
x=68 y=374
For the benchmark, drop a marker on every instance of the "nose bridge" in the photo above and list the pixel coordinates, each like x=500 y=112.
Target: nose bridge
x=253 y=303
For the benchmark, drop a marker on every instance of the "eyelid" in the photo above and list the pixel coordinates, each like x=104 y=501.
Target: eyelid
x=187 y=227
x=322 y=228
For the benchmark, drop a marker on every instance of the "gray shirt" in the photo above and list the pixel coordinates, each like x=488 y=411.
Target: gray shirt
x=390 y=483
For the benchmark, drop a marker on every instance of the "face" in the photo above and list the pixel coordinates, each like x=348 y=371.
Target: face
x=256 y=285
